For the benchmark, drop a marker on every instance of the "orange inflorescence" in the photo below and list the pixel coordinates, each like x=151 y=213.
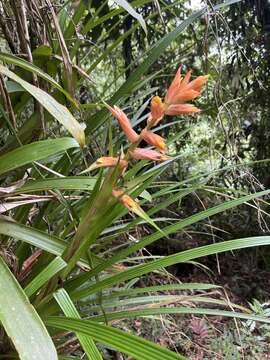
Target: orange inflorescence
x=178 y=94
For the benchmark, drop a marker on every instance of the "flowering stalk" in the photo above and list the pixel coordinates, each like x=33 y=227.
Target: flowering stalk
x=99 y=213
x=179 y=92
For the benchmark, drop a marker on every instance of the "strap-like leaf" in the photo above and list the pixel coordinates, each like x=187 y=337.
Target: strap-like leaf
x=21 y=321
x=132 y=345
x=46 y=274
x=32 y=152
x=69 y=309
x=124 y=4
x=57 y=110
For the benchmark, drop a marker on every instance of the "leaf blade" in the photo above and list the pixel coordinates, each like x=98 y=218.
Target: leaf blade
x=57 y=110
x=32 y=152
x=21 y=320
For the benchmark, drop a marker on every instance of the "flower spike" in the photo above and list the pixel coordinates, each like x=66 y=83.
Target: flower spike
x=183 y=90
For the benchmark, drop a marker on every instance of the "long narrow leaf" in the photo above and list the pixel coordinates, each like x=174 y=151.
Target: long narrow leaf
x=180 y=310
x=57 y=110
x=184 y=256
x=68 y=183
x=64 y=301
x=15 y=60
x=131 y=345
x=124 y=4
x=45 y=275
x=21 y=321
x=33 y=152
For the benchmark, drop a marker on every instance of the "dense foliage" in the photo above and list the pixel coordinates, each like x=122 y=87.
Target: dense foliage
x=101 y=234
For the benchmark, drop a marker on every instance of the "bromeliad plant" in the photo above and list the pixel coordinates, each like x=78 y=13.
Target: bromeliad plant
x=64 y=267
x=102 y=204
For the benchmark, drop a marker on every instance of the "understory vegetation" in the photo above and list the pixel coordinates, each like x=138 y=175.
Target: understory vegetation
x=134 y=169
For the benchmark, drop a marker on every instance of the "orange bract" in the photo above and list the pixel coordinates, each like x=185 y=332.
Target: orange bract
x=182 y=90
x=154 y=139
x=157 y=110
x=110 y=161
x=124 y=123
x=126 y=200
x=180 y=109
x=148 y=154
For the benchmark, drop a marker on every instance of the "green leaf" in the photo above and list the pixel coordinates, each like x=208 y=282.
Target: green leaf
x=41 y=240
x=179 y=310
x=185 y=286
x=125 y=5
x=57 y=110
x=184 y=256
x=21 y=321
x=46 y=274
x=67 y=306
x=131 y=345
x=43 y=50
x=82 y=183
x=170 y=229
x=14 y=60
x=33 y=152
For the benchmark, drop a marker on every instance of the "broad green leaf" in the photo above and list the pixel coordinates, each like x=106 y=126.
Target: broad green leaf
x=15 y=60
x=131 y=345
x=45 y=275
x=57 y=110
x=21 y=321
x=69 y=309
x=126 y=5
x=32 y=152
